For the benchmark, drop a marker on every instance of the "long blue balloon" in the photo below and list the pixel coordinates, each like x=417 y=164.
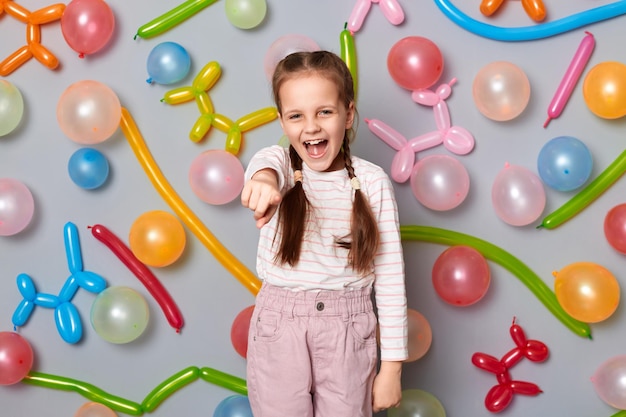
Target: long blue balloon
x=529 y=33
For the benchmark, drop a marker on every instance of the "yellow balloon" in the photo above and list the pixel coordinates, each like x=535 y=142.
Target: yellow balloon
x=157 y=238
x=587 y=291
x=604 y=90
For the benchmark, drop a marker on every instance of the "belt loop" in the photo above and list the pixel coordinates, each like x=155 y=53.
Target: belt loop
x=346 y=308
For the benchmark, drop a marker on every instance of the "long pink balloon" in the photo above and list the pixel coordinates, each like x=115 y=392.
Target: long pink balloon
x=569 y=80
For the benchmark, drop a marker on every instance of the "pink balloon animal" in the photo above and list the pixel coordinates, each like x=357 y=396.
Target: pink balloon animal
x=456 y=139
x=391 y=10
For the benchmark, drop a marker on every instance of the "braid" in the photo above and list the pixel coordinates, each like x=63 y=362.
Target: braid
x=363 y=228
x=292 y=216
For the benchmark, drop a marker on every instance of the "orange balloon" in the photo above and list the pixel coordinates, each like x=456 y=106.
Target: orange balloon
x=604 y=90
x=94 y=409
x=587 y=291
x=157 y=238
x=420 y=335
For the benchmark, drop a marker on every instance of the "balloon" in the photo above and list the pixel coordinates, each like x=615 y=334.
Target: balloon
x=587 y=195
x=11 y=107
x=191 y=220
x=418 y=403
x=234 y=130
x=216 y=176
x=564 y=163
x=348 y=54
x=87 y=25
x=440 y=182
x=587 y=291
x=609 y=381
x=245 y=14
x=225 y=380
x=167 y=387
x=16 y=206
x=93 y=409
x=517 y=195
x=88 y=168
x=615 y=228
x=533 y=32
x=157 y=238
x=86 y=390
x=202 y=82
x=529 y=278
x=501 y=91
x=391 y=9
x=415 y=62
x=16 y=358
x=143 y=273
x=239 y=331
x=420 y=335
x=604 y=90
x=168 y=63
x=172 y=18
x=233 y=406
x=461 y=276
x=119 y=314
x=283 y=46
x=33 y=47
x=571 y=77
x=88 y=111
x=534 y=8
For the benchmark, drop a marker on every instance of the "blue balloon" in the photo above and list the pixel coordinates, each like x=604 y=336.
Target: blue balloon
x=88 y=168
x=234 y=406
x=564 y=163
x=168 y=63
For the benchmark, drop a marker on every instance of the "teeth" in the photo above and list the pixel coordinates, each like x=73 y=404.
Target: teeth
x=314 y=142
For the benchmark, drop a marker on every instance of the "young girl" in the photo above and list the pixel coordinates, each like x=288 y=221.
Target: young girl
x=312 y=348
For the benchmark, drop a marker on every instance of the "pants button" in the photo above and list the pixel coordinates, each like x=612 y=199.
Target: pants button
x=320 y=306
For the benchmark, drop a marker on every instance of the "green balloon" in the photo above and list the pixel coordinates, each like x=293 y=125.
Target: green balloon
x=418 y=403
x=11 y=107
x=245 y=14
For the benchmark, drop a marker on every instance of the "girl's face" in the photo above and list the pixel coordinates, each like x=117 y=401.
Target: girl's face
x=315 y=120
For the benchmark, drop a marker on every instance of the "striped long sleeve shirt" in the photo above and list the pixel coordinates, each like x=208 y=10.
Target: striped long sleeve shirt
x=323 y=265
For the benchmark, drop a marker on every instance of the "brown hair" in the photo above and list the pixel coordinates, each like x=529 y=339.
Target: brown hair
x=362 y=243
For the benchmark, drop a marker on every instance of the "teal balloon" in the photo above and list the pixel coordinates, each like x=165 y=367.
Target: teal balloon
x=418 y=403
x=11 y=107
x=88 y=168
x=564 y=163
x=245 y=14
x=168 y=63
x=234 y=406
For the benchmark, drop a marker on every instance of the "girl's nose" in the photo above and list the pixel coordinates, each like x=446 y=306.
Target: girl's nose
x=311 y=125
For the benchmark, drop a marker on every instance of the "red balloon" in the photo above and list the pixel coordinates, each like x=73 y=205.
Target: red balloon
x=87 y=25
x=461 y=275
x=16 y=358
x=415 y=62
x=239 y=331
x=488 y=363
x=615 y=228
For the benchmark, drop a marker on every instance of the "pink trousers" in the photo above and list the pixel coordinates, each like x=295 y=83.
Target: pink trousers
x=311 y=354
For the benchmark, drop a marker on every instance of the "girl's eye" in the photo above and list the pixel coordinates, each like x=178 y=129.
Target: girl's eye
x=294 y=117
x=325 y=112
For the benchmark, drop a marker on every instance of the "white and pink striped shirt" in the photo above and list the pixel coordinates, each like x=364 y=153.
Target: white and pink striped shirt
x=323 y=265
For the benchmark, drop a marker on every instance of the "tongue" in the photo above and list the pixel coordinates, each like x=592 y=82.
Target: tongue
x=316 y=150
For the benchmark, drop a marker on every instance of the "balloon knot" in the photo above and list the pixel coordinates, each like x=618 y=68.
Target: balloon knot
x=81 y=55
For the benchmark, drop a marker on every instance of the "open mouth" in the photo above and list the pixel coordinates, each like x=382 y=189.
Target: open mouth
x=316 y=148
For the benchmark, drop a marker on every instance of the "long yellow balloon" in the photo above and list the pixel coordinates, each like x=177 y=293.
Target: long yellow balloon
x=230 y=262
x=505 y=259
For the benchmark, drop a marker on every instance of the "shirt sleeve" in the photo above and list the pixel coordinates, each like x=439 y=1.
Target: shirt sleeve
x=274 y=157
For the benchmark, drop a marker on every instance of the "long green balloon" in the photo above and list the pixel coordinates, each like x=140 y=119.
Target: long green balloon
x=167 y=387
x=224 y=380
x=172 y=18
x=505 y=259
x=587 y=195
x=86 y=390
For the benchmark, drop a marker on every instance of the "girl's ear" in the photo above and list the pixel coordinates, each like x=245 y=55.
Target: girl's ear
x=350 y=116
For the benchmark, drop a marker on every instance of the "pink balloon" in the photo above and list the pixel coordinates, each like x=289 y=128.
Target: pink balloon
x=609 y=381
x=16 y=358
x=216 y=176
x=415 y=62
x=87 y=25
x=420 y=335
x=501 y=91
x=16 y=206
x=440 y=182
x=89 y=112
x=615 y=228
x=518 y=195
x=461 y=275
x=284 y=46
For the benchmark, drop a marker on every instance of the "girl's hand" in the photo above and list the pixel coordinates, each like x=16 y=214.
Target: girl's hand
x=387 y=390
x=261 y=195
